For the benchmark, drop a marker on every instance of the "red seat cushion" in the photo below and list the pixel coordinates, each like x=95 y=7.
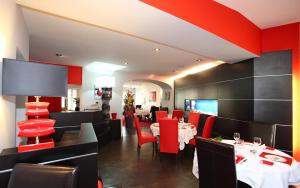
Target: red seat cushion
x=147 y=137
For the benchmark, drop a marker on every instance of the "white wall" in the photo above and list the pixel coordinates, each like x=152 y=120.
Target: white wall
x=87 y=93
x=13 y=36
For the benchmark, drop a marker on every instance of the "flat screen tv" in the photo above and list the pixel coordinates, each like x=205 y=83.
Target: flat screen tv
x=206 y=106
x=22 y=78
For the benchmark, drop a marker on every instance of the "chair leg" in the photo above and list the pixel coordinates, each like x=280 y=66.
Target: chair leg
x=138 y=150
x=153 y=148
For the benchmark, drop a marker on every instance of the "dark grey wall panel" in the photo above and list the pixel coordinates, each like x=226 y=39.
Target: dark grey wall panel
x=273 y=63
x=238 y=89
x=218 y=74
x=273 y=82
x=236 y=109
x=279 y=112
x=273 y=87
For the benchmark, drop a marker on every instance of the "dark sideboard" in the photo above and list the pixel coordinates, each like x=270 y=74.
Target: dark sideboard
x=76 y=149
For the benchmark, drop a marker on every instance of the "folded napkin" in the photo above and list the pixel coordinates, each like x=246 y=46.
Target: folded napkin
x=238 y=159
x=269 y=163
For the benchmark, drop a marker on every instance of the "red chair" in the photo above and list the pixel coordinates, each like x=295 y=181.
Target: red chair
x=177 y=114
x=143 y=137
x=194 y=118
x=161 y=114
x=209 y=122
x=168 y=129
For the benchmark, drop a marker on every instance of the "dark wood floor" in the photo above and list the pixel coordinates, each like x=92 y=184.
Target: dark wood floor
x=119 y=163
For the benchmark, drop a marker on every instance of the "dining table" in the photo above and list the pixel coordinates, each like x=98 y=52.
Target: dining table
x=186 y=132
x=261 y=166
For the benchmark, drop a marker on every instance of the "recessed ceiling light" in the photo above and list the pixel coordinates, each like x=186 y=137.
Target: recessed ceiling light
x=156 y=49
x=125 y=63
x=59 y=55
x=199 y=60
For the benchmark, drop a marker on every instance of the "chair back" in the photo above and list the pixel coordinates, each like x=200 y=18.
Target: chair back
x=161 y=114
x=168 y=129
x=177 y=114
x=138 y=128
x=207 y=129
x=194 y=118
x=37 y=176
x=283 y=138
x=153 y=110
x=216 y=163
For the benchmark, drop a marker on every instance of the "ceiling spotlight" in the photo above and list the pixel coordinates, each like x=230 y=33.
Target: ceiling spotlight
x=199 y=60
x=156 y=49
x=125 y=63
x=59 y=55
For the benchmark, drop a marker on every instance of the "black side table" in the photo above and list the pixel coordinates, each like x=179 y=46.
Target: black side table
x=115 y=125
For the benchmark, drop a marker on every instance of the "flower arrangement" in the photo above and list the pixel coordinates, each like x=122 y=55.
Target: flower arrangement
x=129 y=104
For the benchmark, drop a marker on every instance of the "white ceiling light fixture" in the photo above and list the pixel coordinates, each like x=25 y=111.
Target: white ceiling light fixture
x=104 y=68
x=105 y=81
x=196 y=69
x=156 y=49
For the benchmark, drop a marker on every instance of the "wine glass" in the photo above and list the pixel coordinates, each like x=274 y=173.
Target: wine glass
x=236 y=137
x=257 y=141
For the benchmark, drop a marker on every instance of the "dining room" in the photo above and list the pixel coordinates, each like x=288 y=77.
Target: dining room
x=154 y=94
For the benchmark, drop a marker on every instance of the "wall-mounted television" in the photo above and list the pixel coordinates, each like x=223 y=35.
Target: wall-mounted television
x=206 y=106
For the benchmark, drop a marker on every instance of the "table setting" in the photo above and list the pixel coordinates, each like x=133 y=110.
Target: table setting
x=260 y=166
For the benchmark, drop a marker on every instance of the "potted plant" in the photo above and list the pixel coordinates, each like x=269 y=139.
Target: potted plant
x=129 y=109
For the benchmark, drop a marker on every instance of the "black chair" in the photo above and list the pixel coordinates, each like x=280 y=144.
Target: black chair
x=283 y=138
x=37 y=176
x=216 y=162
x=153 y=110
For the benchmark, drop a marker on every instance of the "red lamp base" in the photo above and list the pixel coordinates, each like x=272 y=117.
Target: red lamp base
x=47 y=143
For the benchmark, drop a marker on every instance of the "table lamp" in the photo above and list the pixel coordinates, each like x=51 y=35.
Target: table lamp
x=21 y=78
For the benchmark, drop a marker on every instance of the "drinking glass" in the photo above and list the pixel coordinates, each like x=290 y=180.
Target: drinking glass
x=236 y=137
x=257 y=141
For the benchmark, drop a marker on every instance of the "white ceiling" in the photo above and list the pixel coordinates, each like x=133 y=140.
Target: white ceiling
x=83 y=44
x=116 y=31
x=266 y=13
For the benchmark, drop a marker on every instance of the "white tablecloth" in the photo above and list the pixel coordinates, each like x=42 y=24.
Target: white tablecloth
x=142 y=112
x=185 y=133
x=258 y=175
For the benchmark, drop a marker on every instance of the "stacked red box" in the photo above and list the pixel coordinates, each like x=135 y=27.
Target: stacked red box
x=36 y=130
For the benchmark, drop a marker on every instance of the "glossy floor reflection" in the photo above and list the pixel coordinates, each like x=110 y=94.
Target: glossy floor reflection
x=119 y=163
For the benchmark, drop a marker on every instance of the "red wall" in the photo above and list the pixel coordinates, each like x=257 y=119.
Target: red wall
x=215 y=18
x=74 y=75
x=55 y=102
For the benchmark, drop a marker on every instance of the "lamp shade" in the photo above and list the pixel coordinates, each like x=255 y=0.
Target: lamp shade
x=22 y=78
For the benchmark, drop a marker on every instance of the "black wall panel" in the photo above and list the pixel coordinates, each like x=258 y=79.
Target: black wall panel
x=277 y=112
x=273 y=63
x=238 y=89
x=236 y=109
x=274 y=87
